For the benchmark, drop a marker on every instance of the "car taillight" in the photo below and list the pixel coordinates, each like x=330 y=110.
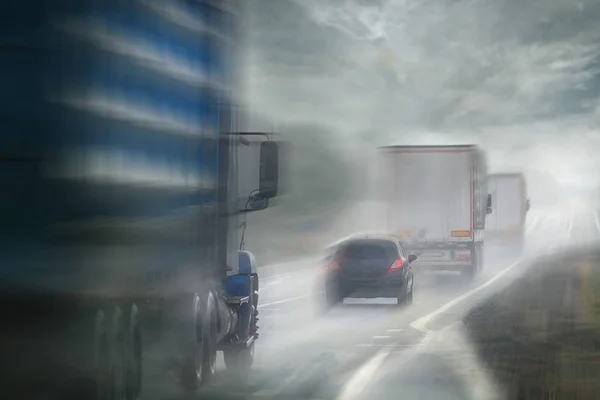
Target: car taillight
x=397 y=265
x=332 y=266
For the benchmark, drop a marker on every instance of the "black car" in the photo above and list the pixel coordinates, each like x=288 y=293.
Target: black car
x=369 y=267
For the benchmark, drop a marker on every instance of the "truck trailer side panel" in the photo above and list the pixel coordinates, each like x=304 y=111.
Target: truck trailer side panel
x=129 y=108
x=119 y=202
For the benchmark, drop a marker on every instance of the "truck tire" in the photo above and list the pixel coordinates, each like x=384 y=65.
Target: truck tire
x=102 y=362
x=200 y=365
x=239 y=359
x=472 y=271
x=117 y=349
x=133 y=354
x=209 y=362
x=108 y=342
x=468 y=273
x=108 y=348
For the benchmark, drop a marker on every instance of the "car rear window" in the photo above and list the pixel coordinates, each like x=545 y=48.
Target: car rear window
x=361 y=251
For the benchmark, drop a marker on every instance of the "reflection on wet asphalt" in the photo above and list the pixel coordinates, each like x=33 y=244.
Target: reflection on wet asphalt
x=482 y=341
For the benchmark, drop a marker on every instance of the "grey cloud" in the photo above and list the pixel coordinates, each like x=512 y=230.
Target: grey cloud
x=455 y=63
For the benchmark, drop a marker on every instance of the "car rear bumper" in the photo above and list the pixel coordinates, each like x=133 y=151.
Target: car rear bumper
x=376 y=293
x=392 y=288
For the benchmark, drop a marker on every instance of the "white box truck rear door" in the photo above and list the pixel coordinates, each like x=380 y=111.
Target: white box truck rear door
x=428 y=193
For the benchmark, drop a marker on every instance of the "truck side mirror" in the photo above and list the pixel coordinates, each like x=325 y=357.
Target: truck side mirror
x=488 y=209
x=269 y=170
x=527 y=205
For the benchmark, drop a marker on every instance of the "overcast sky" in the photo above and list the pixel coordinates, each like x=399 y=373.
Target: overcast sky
x=515 y=75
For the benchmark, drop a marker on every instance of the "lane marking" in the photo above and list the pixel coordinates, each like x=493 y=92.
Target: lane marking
x=383 y=345
x=288 y=300
x=361 y=378
x=420 y=323
x=381 y=337
x=394 y=330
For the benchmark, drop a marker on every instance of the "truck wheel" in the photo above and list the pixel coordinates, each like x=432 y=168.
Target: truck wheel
x=199 y=368
x=239 y=360
x=209 y=334
x=133 y=356
x=117 y=353
x=102 y=362
x=89 y=329
x=468 y=273
x=480 y=260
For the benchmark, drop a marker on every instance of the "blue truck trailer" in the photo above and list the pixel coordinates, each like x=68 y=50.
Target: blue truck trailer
x=121 y=271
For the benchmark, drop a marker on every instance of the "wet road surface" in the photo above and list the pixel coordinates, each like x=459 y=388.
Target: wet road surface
x=378 y=351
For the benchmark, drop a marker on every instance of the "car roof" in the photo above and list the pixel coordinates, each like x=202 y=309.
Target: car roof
x=362 y=235
x=371 y=238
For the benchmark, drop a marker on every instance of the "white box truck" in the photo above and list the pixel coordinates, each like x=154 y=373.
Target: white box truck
x=505 y=226
x=437 y=200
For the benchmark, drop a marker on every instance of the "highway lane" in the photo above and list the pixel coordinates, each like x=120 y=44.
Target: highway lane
x=445 y=365
x=303 y=355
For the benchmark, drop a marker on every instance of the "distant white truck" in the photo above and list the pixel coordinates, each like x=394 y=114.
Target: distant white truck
x=505 y=226
x=436 y=202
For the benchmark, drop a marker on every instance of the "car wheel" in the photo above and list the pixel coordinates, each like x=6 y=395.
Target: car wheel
x=409 y=296
x=405 y=298
x=330 y=299
x=331 y=296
